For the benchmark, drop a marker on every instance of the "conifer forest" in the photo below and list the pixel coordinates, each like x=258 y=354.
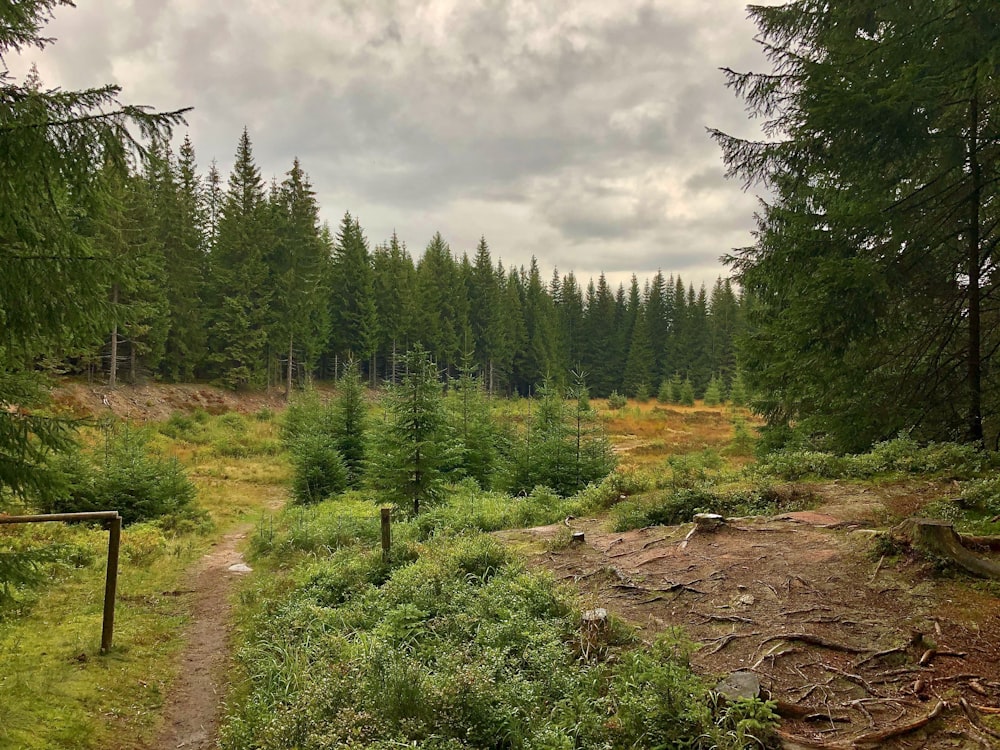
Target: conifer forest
x=234 y=280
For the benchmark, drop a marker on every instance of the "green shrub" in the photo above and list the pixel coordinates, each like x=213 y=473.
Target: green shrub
x=319 y=471
x=665 y=394
x=687 y=393
x=141 y=486
x=901 y=455
x=617 y=401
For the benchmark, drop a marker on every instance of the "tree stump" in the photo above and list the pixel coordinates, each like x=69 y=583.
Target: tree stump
x=593 y=631
x=708 y=521
x=940 y=538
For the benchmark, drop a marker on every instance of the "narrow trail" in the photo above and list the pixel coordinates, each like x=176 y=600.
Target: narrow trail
x=192 y=708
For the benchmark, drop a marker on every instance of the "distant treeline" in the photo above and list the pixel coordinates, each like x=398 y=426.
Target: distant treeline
x=241 y=284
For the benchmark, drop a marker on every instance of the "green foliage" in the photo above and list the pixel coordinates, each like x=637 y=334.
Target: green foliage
x=319 y=469
x=459 y=647
x=665 y=395
x=479 y=437
x=687 y=393
x=902 y=455
x=617 y=400
x=409 y=452
x=125 y=477
x=870 y=285
x=677 y=506
x=713 y=393
x=469 y=508
x=562 y=448
x=326 y=441
x=34 y=554
x=347 y=423
x=318 y=529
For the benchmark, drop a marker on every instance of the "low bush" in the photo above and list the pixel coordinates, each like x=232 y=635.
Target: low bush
x=125 y=477
x=679 y=506
x=461 y=647
x=319 y=471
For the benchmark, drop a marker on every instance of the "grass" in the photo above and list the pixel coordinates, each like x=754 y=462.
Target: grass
x=56 y=690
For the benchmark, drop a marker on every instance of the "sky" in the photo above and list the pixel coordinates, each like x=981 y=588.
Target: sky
x=574 y=132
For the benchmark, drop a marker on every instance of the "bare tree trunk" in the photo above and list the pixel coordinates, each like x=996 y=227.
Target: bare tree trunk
x=975 y=374
x=113 y=368
x=288 y=376
x=131 y=361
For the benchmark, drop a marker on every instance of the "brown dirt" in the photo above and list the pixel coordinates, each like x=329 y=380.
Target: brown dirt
x=801 y=601
x=191 y=712
x=157 y=401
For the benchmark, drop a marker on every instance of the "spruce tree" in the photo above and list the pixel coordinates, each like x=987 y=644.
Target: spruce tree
x=298 y=264
x=409 y=451
x=52 y=289
x=354 y=322
x=241 y=295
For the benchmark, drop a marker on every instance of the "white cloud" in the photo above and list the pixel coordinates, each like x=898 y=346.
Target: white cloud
x=571 y=131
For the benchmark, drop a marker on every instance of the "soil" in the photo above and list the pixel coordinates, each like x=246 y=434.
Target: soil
x=191 y=712
x=835 y=632
x=157 y=401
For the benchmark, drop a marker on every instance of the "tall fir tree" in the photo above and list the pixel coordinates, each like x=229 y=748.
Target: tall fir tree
x=299 y=265
x=354 y=322
x=241 y=296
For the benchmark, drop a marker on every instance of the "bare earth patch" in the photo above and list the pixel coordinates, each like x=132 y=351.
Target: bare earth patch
x=191 y=712
x=852 y=647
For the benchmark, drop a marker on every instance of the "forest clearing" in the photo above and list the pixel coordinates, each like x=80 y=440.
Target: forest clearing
x=849 y=631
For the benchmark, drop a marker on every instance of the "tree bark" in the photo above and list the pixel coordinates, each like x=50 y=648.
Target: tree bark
x=113 y=367
x=975 y=376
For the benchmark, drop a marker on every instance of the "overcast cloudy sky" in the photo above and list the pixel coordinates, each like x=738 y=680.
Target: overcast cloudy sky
x=572 y=131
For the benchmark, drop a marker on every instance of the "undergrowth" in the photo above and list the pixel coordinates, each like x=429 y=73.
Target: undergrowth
x=452 y=643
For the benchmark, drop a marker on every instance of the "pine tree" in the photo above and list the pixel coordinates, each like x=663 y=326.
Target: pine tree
x=485 y=313
x=180 y=225
x=394 y=281
x=872 y=281
x=599 y=359
x=348 y=423
x=52 y=287
x=410 y=450
x=298 y=264
x=352 y=301
x=239 y=277
x=442 y=306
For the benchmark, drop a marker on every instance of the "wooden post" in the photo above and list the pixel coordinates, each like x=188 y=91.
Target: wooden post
x=113 y=522
x=386 y=532
x=111 y=583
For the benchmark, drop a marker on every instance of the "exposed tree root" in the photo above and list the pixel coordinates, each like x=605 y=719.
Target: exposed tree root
x=940 y=538
x=815 y=640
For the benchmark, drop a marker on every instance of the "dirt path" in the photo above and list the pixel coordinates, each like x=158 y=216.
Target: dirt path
x=191 y=712
x=850 y=643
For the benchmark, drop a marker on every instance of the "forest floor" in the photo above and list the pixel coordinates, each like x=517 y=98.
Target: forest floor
x=858 y=641
x=856 y=645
